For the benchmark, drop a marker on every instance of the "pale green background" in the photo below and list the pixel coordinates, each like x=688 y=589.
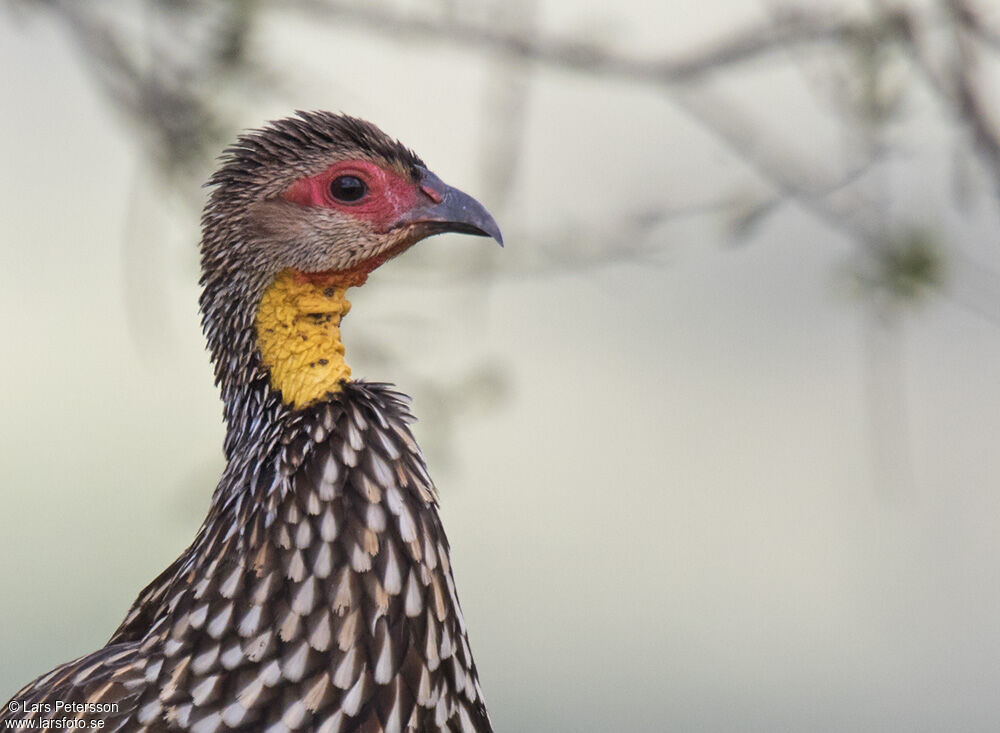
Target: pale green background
x=670 y=521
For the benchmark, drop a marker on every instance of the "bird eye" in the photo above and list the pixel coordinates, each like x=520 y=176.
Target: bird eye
x=348 y=189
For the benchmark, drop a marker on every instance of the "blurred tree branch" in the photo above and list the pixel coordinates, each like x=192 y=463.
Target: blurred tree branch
x=791 y=29
x=169 y=88
x=171 y=67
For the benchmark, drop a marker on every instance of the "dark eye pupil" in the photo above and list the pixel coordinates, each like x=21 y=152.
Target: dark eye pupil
x=347 y=188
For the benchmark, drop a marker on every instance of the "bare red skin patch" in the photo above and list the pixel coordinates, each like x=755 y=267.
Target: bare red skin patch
x=388 y=197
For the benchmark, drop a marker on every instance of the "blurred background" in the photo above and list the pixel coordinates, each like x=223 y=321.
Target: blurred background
x=716 y=433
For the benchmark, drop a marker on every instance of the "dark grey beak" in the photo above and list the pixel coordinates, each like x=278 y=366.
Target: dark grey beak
x=450 y=210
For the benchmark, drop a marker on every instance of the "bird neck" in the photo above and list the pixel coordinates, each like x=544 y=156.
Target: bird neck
x=298 y=334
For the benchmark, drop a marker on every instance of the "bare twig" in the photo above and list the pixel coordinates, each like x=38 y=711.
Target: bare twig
x=787 y=30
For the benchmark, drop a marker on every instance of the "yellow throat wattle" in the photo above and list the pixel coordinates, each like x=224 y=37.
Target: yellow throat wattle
x=298 y=333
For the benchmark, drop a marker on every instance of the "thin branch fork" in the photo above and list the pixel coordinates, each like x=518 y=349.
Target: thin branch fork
x=789 y=29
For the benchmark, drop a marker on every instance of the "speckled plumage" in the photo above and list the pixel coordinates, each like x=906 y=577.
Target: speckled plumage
x=318 y=594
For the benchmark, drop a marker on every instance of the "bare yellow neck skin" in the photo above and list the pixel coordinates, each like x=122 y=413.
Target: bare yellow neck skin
x=298 y=333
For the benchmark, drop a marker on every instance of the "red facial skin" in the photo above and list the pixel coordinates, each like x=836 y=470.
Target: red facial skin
x=388 y=197
x=389 y=194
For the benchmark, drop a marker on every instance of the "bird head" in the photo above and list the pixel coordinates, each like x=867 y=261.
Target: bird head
x=317 y=201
